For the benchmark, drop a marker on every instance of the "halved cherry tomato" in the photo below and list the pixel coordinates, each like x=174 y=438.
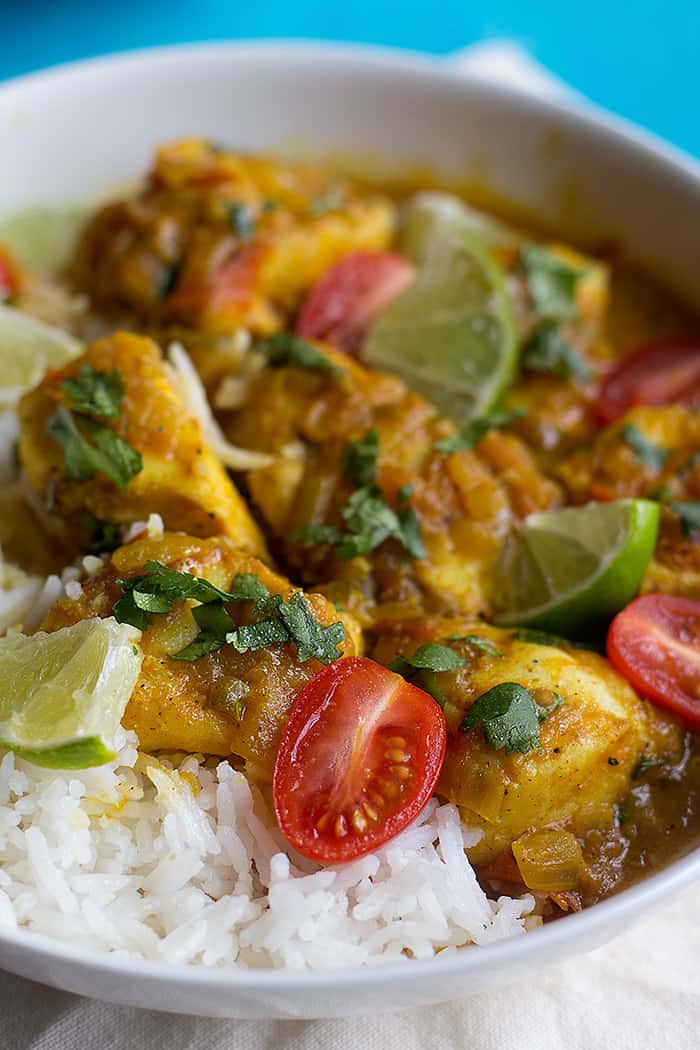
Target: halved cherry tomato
x=664 y=372
x=341 y=306
x=358 y=761
x=655 y=643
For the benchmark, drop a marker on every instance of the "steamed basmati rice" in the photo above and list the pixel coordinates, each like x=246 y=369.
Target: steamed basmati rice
x=184 y=863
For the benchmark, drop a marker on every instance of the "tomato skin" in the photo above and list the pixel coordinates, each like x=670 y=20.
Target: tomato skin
x=655 y=644
x=343 y=303
x=359 y=759
x=663 y=372
x=8 y=277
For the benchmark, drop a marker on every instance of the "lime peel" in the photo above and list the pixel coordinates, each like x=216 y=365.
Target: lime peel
x=63 y=694
x=28 y=347
x=572 y=570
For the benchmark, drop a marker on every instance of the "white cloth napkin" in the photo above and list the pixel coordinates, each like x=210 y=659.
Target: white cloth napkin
x=641 y=992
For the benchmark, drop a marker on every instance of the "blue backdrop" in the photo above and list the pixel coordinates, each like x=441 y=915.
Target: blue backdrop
x=637 y=57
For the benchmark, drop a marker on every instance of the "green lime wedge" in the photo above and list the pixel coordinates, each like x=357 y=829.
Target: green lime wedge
x=62 y=695
x=44 y=238
x=433 y=214
x=451 y=335
x=572 y=570
x=27 y=348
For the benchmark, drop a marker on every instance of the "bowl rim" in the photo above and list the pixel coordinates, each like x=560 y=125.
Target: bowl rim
x=586 y=925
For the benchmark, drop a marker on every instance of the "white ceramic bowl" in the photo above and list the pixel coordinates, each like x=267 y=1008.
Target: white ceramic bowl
x=76 y=131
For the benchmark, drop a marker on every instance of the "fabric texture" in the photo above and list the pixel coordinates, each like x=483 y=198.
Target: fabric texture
x=641 y=992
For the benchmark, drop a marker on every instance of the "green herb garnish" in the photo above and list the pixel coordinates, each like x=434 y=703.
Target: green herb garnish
x=368 y=518
x=482 y=645
x=93 y=393
x=242 y=220
x=169 y=279
x=104 y=536
x=427 y=661
x=282 y=621
x=285 y=348
x=547 y=351
x=689 y=514
x=509 y=717
x=647 y=762
x=647 y=452
x=551 y=283
x=472 y=434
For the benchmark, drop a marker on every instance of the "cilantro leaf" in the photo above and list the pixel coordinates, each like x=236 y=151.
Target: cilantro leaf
x=110 y=455
x=242 y=220
x=427 y=661
x=647 y=762
x=472 y=434
x=360 y=460
x=508 y=716
x=104 y=536
x=689 y=514
x=551 y=283
x=369 y=520
x=313 y=641
x=547 y=351
x=285 y=348
x=310 y=535
x=409 y=534
x=651 y=455
x=482 y=645
x=429 y=657
x=246 y=587
x=258 y=635
x=93 y=393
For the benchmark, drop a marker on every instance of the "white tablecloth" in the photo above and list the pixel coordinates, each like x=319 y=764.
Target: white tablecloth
x=641 y=992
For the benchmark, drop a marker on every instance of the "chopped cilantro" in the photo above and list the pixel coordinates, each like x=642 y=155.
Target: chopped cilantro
x=472 y=434
x=242 y=220
x=160 y=588
x=104 y=536
x=360 y=460
x=647 y=762
x=551 y=283
x=547 y=351
x=269 y=204
x=482 y=645
x=369 y=520
x=651 y=455
x=110 y=455
x=93 y=393
x=168 y=279
x=430 y=657
x=285 y=348
x=509 y=717
x=427 y=661
x=689 y=514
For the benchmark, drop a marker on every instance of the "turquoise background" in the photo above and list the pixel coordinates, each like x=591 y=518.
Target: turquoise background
x=640 y=58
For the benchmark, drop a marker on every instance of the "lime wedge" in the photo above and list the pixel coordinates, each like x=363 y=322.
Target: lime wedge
x=27 y=348
x=572 y=570
x=451 y=335
x=432 y=214
x=44 y=238
x=62 y=695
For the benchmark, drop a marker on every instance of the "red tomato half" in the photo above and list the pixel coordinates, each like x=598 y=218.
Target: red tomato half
x=358 y=761
x=655 y=643
x=341 y=306
x=7 y=276
x=660 y=373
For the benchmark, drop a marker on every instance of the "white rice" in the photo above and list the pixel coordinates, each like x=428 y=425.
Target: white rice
x=185 y=864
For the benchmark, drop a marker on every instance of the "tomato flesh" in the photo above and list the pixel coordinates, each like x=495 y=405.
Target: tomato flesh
x=655 y=643
x=341 y=306
x=660 y=373
x=359 y=759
